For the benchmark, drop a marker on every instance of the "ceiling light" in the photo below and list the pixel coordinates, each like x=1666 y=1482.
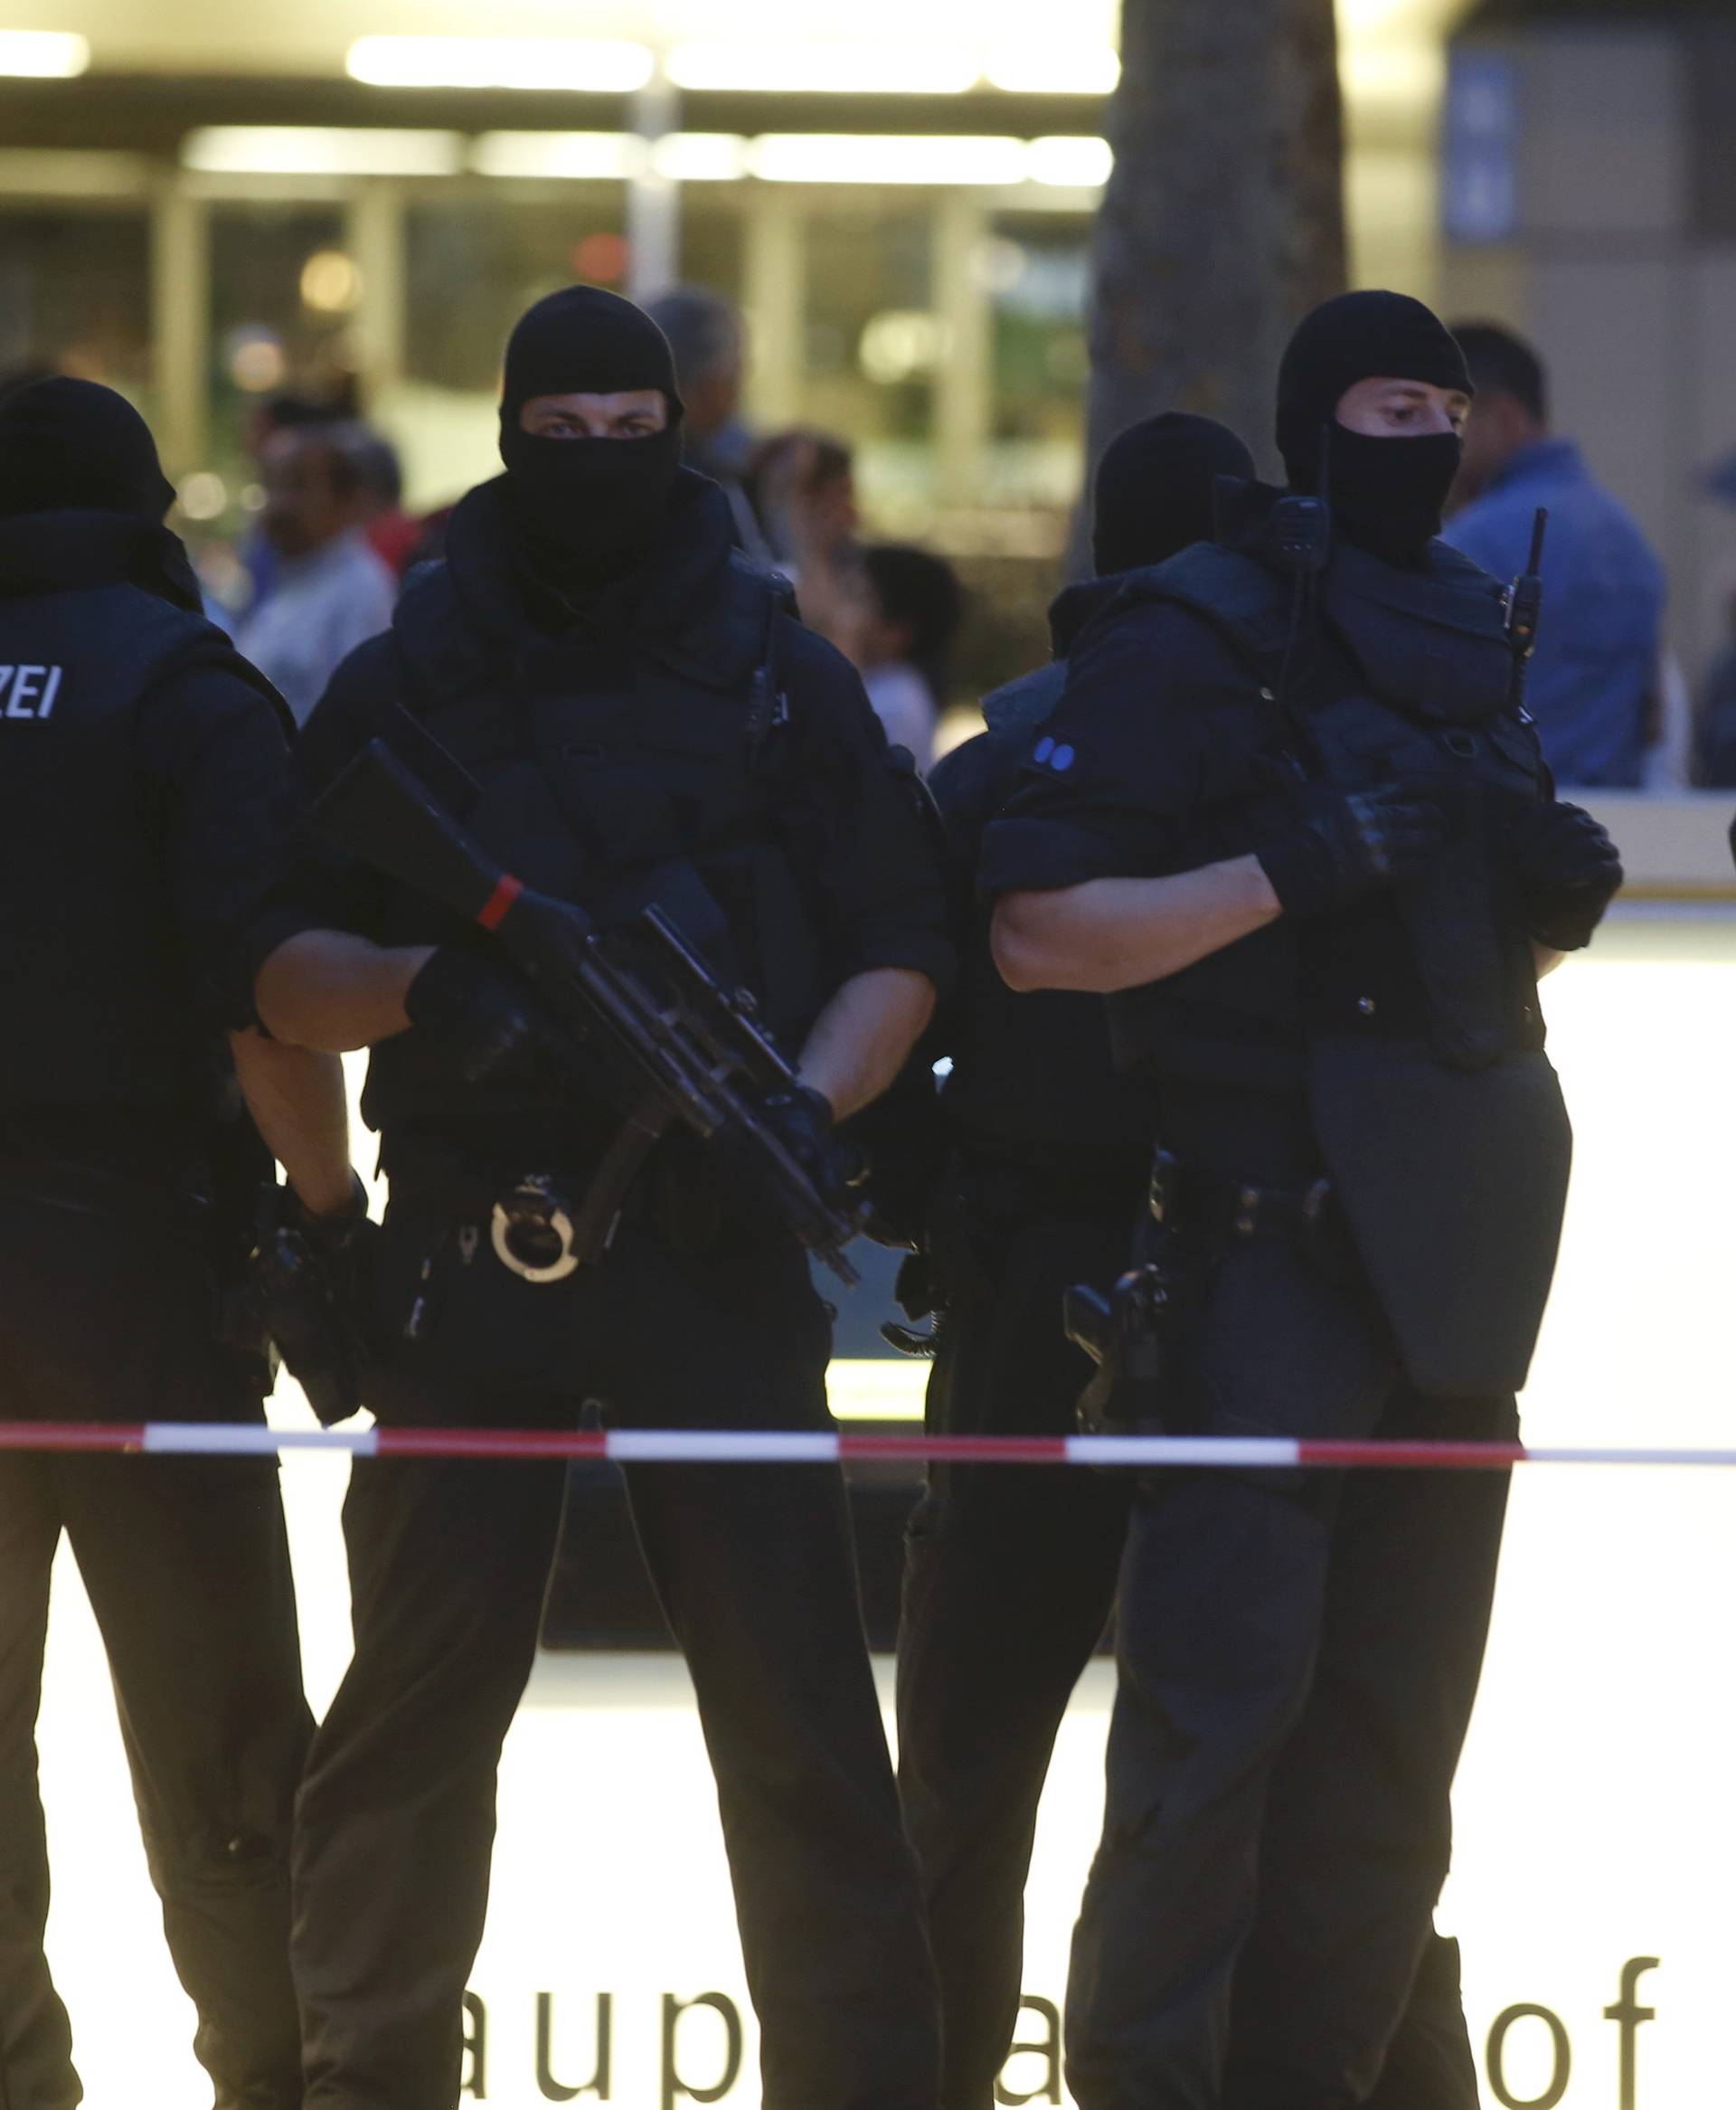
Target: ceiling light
x=597 y=156
x=601 y=66
x=320 y=150
x=1069 y=162
x=786 y=68
x=700 y=157
x=1057 y=68
x=875 y=157
x=43 y=54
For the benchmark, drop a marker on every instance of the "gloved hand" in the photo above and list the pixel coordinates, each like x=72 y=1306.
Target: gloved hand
x=802 y=1121
x=1342 y=846
x=484 y=1020
x=314 y=1285
x=1567 y=872
x=336 y=1239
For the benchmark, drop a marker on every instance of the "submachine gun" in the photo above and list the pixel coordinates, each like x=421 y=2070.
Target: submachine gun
x=668 y=1044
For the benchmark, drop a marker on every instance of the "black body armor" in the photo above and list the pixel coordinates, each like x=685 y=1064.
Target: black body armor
x=613 y=772
x=1438 y=1116
x=98 y=1001
x=1031 y=1078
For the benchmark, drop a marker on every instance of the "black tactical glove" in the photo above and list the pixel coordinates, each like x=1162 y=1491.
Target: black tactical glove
x=484 y=1020
x=1342 y=846
x=1567 y=871
x=315 y=1290
x=905 y=1142
x=801 y=1119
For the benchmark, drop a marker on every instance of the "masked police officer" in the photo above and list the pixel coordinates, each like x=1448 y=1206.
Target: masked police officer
x=1318 y=872
x=643 y=716
x=1011 y=1575
x=142 y=765
x=1045 y=1150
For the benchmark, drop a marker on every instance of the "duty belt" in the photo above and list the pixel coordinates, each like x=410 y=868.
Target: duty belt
x=533 y=1219
x=1224 y=1212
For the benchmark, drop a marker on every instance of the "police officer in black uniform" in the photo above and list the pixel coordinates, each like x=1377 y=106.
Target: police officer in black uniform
x=1011 y=1575
x=645 y=719
x=142 y=765
x=1319 y=871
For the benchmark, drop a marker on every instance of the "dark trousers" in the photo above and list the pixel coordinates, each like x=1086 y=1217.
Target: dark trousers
x=1011 y=1579
x=187 y=1569
x=1299 y=1655
x=448 y=1563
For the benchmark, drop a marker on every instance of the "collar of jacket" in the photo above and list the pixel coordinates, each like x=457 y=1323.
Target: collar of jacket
x=671 y=592
x=1073 y=607
x=59 y=553
x=705 y=612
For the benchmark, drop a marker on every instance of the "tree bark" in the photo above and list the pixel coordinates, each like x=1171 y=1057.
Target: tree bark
x=1223 y=218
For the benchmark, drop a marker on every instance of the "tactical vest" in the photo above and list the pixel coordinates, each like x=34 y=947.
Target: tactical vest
x=1449 y=1152
x=1430 y=702
x=1032 y=1079
x=97 y=996
x=611 y=776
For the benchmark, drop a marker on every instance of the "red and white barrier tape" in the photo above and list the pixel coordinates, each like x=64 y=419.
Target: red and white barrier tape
x=796 y=1447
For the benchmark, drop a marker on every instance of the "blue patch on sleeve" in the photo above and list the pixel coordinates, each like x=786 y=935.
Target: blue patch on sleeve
x=1045 y=748
x=1061 y=759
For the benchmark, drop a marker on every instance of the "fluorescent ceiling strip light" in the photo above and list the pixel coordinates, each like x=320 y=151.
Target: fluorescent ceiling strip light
x=597 y=156
x=867 y=157
x=873 y=157
x=1069 y=162
x=1061 y=67
x=43 y=54
x=700 y=157
x=321 y=150
x=600 y=66
x=794 y=69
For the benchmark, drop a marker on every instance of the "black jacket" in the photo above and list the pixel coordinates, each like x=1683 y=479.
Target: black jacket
x=143 y=773
x=1032 y=1077
x=679 y=717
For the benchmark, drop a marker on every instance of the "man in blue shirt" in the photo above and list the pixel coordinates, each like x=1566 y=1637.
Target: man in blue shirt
x=1593 y=681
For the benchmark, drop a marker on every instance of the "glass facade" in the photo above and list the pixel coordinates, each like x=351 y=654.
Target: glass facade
x=75 y=292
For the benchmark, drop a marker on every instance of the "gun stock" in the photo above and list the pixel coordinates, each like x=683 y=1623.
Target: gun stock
x=379 y=813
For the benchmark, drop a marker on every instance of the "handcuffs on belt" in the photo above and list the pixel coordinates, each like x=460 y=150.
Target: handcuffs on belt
x=532 y=1233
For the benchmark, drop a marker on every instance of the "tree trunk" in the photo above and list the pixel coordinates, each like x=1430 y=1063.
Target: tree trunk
x=1223 y=218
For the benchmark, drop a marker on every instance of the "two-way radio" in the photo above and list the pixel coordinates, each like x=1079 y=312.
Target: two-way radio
x=1524 y=606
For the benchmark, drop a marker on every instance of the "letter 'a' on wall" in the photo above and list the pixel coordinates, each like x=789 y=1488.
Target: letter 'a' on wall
x=1591 y=1832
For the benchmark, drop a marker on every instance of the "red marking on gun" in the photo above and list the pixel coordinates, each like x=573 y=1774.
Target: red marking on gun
x=492 y=912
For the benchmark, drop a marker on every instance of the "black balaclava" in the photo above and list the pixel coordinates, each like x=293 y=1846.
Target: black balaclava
x=1386 y=495
x=74 y=446
x=1152 y=497
x=587 y=510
